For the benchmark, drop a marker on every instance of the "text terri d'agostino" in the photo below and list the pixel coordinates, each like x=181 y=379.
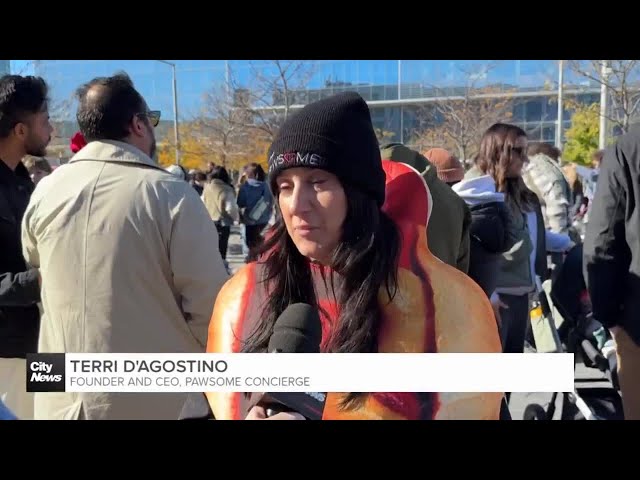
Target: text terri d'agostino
x=153 y=366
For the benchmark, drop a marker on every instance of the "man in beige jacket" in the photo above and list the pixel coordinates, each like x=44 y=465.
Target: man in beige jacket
x=128 y=254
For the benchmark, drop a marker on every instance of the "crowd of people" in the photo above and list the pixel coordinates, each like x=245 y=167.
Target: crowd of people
x=399 y=250
x=248 y=202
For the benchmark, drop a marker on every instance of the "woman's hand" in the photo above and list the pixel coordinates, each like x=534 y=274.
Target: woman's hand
x=259 y=413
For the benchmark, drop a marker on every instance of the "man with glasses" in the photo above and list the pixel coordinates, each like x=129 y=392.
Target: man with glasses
x=24 y=130
x=128 y=253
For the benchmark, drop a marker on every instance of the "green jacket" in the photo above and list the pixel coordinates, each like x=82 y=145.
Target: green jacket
x=448 y=229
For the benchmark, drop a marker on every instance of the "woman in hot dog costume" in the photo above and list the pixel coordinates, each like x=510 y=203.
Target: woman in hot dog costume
x=350 y=238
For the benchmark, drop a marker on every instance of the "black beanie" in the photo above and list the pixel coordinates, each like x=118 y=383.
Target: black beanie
x=335 y=134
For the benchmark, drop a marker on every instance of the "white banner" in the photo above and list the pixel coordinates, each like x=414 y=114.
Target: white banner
x=282 y=372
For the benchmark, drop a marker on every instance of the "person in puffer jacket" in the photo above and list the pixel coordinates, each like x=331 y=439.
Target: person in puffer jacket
x=491 y=231
x=544 y=177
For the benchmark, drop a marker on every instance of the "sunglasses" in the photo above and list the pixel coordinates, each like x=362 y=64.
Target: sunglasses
x=153 y=116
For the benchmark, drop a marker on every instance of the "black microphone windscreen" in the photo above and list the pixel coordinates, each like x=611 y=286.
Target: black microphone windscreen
x=297 y=330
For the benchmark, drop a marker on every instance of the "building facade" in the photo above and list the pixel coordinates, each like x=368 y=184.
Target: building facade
x=397 y=91
x=534 y=110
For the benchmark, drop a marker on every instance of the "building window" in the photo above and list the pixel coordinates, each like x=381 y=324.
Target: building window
x=549 y=134
x=533 y=110
x=534 y=132
x=519 y=111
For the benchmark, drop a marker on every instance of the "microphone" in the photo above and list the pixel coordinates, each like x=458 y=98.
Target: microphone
x=297 y=330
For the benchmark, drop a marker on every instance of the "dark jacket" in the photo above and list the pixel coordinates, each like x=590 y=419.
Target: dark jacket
x=19 y=288
x=515 y=266
x=509 y=268
x=491 y=231
x=448 y=228
x=612 y=242
x=490 y=226
x=491 y=235
x=249 y=194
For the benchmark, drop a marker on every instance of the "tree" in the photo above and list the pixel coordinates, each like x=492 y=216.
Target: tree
x=30 y=64
x=457 y=122
x=266 y=101
x=384 y=136
x=582 y=136
x=259 y=154
x=200 y=144
x=64 y=127
x=622 y=80
x=224 y=128
x=237 y=123
x=195 y=148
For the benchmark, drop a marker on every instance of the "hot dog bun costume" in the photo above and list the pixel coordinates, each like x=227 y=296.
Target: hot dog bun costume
x=436 y=307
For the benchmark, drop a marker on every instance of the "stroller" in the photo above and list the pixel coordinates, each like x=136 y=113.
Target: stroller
x=567 y=306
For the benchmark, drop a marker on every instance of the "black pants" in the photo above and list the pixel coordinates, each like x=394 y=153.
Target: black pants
x=515 y=319
x=513 y=328
x=253 y=238
x=223 y=239
x=568 y=285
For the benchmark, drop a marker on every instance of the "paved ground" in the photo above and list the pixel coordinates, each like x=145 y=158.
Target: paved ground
x=585 y=377
x=235 y=255
x=519 y=401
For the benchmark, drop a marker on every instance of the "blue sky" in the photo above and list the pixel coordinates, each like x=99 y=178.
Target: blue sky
x=195 y=77
x=20 y=66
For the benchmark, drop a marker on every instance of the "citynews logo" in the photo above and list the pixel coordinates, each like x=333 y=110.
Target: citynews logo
x=46 y=372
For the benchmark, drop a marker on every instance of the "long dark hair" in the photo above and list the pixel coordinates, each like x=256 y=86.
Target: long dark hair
x=494 y=158
x=366 y=260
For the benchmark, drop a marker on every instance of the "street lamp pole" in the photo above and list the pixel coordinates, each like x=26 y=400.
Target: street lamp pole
x=602 y=141
x=175 y=109
x=560 y=104
x=227 y=81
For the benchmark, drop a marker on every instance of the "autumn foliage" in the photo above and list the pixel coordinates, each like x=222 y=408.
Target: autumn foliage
x=194 y=151
x=198 y=147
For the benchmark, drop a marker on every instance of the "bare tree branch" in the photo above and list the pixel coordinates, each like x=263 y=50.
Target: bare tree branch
x=458 y=123
x=275 y=84
x=221 y=126
x=623 y=85
x=25 y=67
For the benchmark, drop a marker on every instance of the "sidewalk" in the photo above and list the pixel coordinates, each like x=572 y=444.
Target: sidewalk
x=235 y=251
x=235 y=255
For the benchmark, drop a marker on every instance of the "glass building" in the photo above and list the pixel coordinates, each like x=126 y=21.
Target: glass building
x=396 y=90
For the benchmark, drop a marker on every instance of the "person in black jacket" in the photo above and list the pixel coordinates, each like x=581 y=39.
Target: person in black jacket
x=491 y=231
x=612 y=260
x=24 y=130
